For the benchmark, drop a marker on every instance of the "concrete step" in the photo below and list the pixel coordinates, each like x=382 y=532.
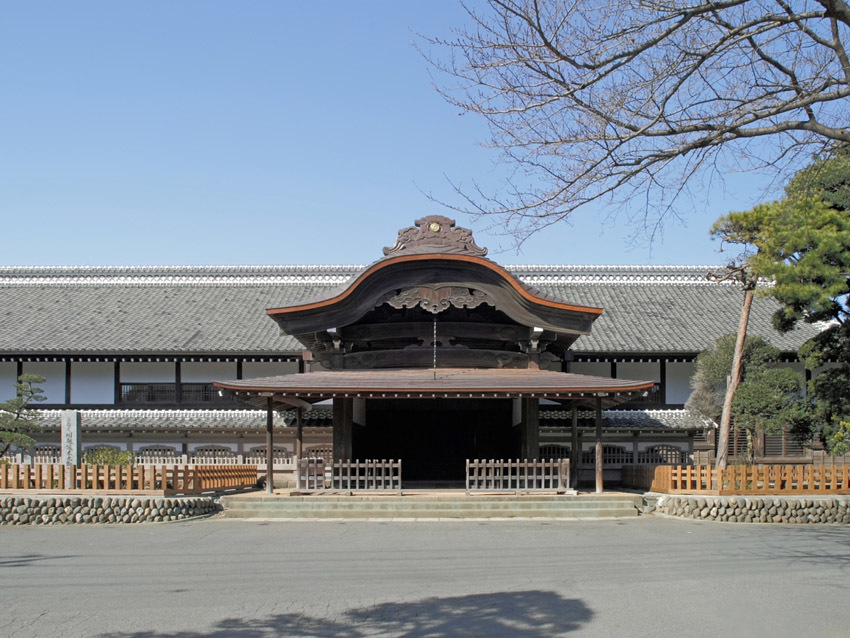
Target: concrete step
x=361 y=507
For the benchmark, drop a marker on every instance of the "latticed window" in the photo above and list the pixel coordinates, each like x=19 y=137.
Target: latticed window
x=46 y=453
x=214 y=452
x=662 y=455
x=277 y=452
x=320 y=452
x=611 y=455
x=554 y=452
x=158 y=451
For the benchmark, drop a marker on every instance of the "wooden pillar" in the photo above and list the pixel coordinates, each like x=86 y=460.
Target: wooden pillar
x=68 y=381
x=269 y=446
x=178 y=382
x=599 y=468
x=635 y=437
x=299 y=434
x=530 y=448
x=299 y=446
x=343 y=427
x=575 y=448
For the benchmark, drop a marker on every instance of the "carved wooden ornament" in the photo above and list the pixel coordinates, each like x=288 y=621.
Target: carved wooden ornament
x=435 y=300
x=435 y=234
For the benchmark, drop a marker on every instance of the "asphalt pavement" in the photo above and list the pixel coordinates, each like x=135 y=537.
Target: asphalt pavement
x=255 y=579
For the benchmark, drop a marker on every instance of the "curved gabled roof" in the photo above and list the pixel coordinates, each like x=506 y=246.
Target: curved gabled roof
x=435 y=252
x=521 y=302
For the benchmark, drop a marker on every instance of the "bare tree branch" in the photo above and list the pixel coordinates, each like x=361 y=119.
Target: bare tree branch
x=624 y=101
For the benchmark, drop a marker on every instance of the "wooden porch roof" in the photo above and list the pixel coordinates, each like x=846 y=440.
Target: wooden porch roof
x=450 y=383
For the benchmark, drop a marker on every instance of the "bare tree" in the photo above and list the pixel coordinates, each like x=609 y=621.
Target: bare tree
x=624 y=101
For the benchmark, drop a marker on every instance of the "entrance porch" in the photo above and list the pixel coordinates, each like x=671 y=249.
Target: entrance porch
x=436 y=419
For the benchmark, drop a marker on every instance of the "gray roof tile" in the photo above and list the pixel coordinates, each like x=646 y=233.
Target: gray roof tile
x=221 y=309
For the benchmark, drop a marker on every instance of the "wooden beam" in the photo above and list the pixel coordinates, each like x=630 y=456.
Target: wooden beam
x=295 y=402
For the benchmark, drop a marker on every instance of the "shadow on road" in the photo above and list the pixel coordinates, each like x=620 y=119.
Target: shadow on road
x=26 y=559
x=527 y=614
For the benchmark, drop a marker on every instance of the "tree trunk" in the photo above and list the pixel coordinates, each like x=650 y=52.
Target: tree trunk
x=734 y=380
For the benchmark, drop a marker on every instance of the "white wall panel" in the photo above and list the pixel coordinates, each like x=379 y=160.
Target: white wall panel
x=639 y=370
x=256 y=369
x=679 y=375
x=92 y=382
x=593 y=368
x=148 y=372
x=206 y=372
x=8 y=377
x=54 y=373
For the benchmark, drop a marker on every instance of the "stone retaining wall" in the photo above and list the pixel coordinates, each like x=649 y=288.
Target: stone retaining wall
x=752 y=509
x=67 y=509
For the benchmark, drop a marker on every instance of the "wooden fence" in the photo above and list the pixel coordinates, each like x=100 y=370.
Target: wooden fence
x=371 y=475
x=281 y=462
x=164 y=479
x=739 y=479
x=517 y=475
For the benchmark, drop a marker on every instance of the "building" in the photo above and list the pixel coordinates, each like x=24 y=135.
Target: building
x=137 y=349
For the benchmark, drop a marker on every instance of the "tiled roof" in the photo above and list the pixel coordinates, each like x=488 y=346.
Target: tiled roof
x=224 y=420
x=166 y=420
x=453 y=382
x=221 y=309
x=629 y=419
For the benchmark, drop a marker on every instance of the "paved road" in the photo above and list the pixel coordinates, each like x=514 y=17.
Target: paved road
x=627 y=577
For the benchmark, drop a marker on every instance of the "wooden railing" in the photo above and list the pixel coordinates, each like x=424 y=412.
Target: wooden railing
x=371 y=475
x=164 y=479
x=739 y=479
x=517 y=475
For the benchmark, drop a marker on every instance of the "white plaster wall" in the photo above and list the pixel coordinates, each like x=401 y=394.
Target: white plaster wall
x=256 y=369
x=8 y=372
x=148 y=372
x=639 y=370
x=92 y=382
x=679 y=375
x=54 y=373
x=596 y=369
x=206 y=372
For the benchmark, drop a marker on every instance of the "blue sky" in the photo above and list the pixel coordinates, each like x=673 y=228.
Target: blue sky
x=208 y=132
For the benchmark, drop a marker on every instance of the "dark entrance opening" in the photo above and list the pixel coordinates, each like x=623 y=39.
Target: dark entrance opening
x=434 y=437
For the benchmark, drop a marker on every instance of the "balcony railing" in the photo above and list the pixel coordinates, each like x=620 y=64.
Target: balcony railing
x=170 y=394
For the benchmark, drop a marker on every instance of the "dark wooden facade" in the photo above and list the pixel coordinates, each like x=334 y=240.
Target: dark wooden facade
x=435 y=354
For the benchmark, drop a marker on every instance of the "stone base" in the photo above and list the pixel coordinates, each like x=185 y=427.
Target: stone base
x=752 y=509
x=67 y=510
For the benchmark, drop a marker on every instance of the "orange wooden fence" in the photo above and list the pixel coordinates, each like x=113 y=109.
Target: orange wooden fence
x=171 y=479
x=739 y=479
